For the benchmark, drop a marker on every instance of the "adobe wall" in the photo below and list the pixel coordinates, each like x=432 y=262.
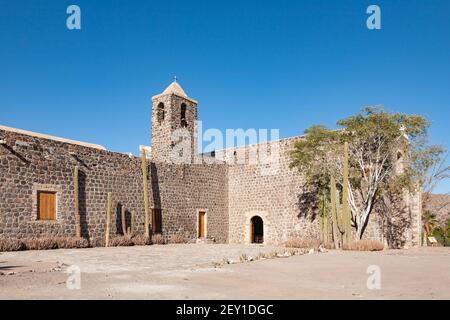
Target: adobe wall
x=29 y=164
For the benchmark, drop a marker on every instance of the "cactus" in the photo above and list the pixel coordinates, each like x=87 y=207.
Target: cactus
x=325 y=218
x=334 y=212
x=123 y=220
x=345 y=209
x=145 y=184
x=131 y=228
x=77 y=202
x=108 y=218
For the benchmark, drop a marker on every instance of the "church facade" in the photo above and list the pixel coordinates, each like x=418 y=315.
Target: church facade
x=206 y=196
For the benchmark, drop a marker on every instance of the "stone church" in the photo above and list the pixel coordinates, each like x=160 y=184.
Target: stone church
x=212 y=197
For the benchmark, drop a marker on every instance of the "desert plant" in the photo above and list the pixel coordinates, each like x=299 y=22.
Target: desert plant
x=428 y=224
x=141 y=240
x=345 y=212
x=158 y=239
x=144 y=166
x=373 y=137
x=108 y=218
x=10 y=244
x=121 y=241
x=76 y=202
x=364 y=245
x=302 y=243
x=41 y=243
x=177 y=239
x=71 y=243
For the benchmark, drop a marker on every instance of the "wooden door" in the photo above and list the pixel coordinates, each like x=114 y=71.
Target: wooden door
x=201 y=224
x=46 y=205
x=157 y=221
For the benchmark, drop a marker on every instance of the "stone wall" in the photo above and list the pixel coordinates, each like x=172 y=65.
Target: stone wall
x=275 y=193
x=30 y=163
x=272 y=191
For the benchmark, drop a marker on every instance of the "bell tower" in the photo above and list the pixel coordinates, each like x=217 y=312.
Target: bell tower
x=174 y=117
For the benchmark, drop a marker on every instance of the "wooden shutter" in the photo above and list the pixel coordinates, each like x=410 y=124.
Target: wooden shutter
x=156 y=221
x=46 y=205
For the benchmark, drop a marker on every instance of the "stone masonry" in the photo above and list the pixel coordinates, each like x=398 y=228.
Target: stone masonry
x=230 y=192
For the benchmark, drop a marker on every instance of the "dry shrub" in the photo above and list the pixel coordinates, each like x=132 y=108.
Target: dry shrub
x=158 y=239
x=121 y=241
x=141 y=240
x=308 y=243
x=42 y=243
x=328 y=245
x=10 y=244
x=364 y=245
x=177 y=239
x=72 y=243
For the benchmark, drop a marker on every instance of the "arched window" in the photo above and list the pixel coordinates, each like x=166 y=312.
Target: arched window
x=161 y=113
x=183 y=115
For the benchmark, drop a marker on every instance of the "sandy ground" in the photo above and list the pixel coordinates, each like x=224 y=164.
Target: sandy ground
x=189 y=272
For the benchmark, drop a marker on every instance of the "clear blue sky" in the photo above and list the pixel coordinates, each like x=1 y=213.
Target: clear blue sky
x=251 y=64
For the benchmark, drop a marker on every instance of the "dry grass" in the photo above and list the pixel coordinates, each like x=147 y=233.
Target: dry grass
x=141 y=240
x=364 y=245
x=303 y=243
x=121 y=241
x=42 y=243
x=177 y=239
x=158 y=239
x=8 y=244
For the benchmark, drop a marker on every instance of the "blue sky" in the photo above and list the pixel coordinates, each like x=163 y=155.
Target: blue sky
x=251 y=64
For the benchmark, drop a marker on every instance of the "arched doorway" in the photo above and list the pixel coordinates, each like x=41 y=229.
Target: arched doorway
x=256 y=230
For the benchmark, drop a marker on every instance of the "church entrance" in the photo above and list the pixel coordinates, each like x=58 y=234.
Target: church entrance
x=257 y=230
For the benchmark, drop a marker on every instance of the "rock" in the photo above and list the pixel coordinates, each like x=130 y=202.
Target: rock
x=250 y=258
x=230 y=261
x=311 y=251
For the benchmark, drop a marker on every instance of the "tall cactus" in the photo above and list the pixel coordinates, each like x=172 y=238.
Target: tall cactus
x=123 y=220
x=321 y=215
x=77 y=202
x=334 y=212
x=108 y=219
x=146 y=193
x=325 y=218
x=345 y=208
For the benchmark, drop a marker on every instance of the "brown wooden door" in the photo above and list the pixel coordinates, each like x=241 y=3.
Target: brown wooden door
x=201 y=224
x=157 y=221
x=46 y=205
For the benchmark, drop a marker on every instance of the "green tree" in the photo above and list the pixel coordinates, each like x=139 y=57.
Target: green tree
x=387 y=152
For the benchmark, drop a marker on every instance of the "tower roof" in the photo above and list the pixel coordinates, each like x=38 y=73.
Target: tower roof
x=175 y=88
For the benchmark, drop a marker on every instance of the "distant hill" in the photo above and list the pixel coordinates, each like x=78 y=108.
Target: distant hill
x=439 y=204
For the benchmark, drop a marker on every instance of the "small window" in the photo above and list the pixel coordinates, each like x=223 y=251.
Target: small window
x=183 y=115
x=156 y=221
x=46 y=205
x=161 y=113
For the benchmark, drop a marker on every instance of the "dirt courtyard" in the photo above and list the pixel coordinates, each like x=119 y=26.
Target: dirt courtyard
x=193 y=272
